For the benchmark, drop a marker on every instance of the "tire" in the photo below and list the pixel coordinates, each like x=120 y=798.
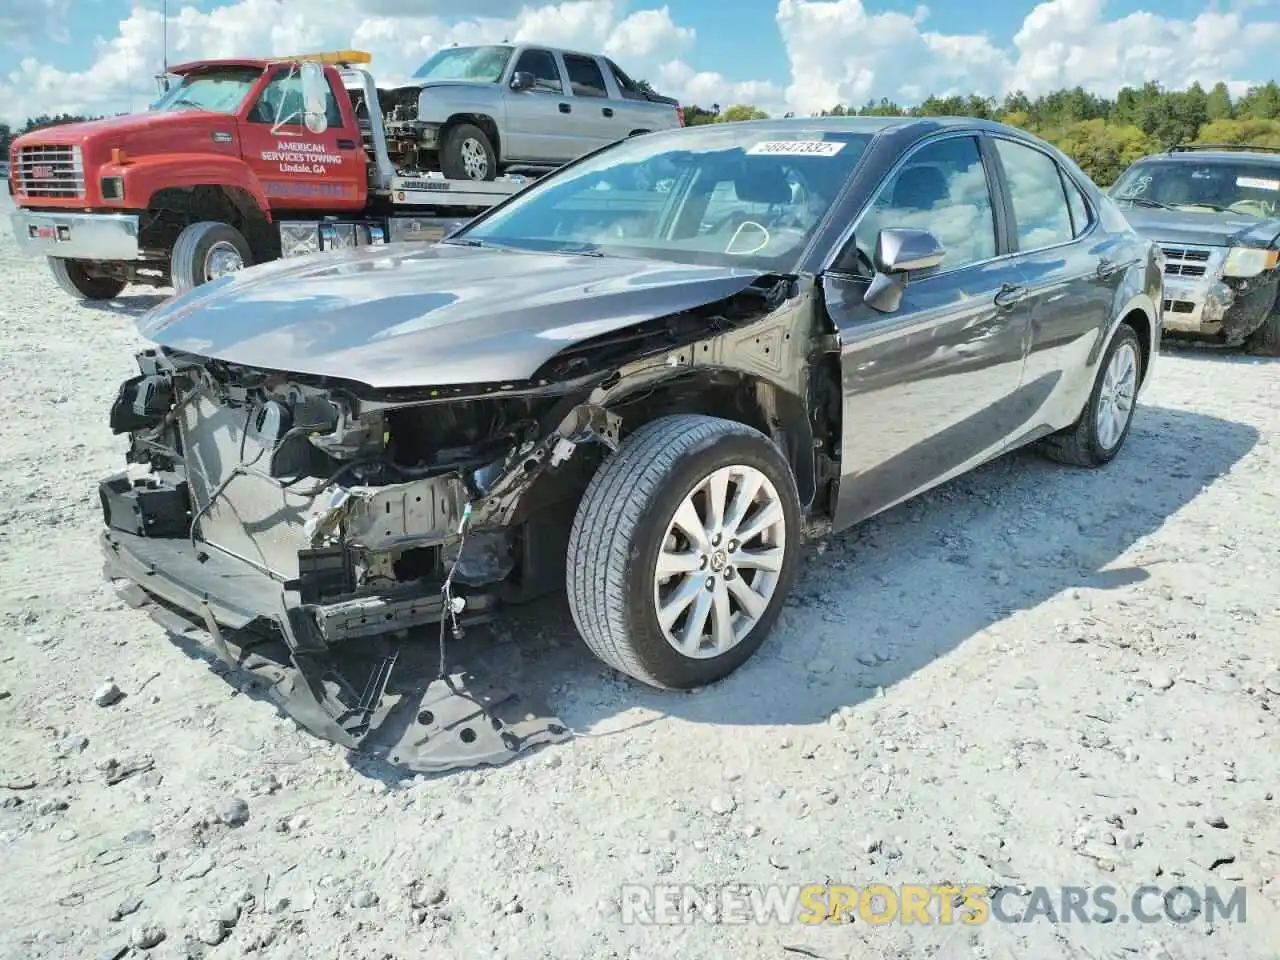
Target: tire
x=463 y=148
x=621 y=527
x=1079 y=445
x=72 y=277
x=204 y=251
x=1265 y=341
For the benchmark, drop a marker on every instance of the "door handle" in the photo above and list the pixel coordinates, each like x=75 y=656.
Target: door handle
x=346 y=144
x=1009 y=295
x=565 y=108
x=607 y=111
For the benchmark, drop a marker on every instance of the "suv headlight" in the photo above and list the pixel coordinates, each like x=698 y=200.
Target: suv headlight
x=1249 y=261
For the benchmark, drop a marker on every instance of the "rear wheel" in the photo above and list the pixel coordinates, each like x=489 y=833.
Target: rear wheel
x=1099 y=433
x=73 y=278
x=467 y=154
x=205 y=251
x=683 y=550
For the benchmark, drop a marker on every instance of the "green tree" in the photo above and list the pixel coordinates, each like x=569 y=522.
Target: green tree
x=1258 y=133
x=1260 y=103
x=1218 y=103
x=742 y=111
x=1101 y=149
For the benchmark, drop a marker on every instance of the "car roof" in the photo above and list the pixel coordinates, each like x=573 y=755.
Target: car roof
x=921 y=125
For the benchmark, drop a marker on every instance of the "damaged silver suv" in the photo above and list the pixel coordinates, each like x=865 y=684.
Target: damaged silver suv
x=646 y=379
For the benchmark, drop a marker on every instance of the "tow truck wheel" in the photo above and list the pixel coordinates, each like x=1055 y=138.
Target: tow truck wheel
x=683 y=550
x=205 y=251
x=75 y=280
x=467 y=154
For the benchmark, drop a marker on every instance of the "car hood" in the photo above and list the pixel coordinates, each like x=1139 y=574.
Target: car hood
x=417 y=315
x=1210 y=229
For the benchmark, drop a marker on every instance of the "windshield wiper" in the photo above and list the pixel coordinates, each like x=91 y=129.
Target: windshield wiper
x=1144 y=201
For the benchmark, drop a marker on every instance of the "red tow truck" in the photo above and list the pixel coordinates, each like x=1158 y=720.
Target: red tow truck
x=240 y=161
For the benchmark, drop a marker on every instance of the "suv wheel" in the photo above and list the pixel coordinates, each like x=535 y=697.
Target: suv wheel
x=1100 y=431
x=683 y=550
x=1265 y=341
x=467 y=154
x=205 y=251
x=72 y=277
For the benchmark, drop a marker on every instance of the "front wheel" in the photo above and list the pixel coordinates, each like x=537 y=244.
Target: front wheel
x=467 y=154
x=1265 y=341
x=1099 y=433
x=205 y=251
x=74 y=279
x=683 y=550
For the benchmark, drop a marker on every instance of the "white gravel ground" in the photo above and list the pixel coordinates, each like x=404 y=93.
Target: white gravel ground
x=1035 y=676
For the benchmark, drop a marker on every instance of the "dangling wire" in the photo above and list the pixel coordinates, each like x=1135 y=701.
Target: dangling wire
x=451 y=606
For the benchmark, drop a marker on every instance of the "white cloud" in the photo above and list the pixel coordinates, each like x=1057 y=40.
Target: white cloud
x=840 y=51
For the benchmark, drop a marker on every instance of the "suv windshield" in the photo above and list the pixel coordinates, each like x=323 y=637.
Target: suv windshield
x=1242 y=186
x=221 y=91
x=729 y=195
x=481 y=64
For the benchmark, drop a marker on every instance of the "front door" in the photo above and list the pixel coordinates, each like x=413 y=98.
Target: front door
x=298 y=169
x=539 y=118
x=932 y=388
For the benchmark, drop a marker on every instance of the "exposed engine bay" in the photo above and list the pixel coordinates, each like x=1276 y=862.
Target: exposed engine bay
x=317 y=517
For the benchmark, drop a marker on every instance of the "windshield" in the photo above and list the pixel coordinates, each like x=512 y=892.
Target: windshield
x=221 y=91
x=1212 y=186
x=723 y=194
x=481 y=64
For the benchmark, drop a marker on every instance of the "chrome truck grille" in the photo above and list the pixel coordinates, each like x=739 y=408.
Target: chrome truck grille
x=50 y=171
x=1186 y=261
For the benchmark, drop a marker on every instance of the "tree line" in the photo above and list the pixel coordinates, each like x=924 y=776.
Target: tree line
x=1102 y=135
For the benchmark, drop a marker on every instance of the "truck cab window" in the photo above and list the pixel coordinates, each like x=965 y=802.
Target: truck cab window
x=585 y=77
x=630 y=89
x=281 y=102
x=542 y=65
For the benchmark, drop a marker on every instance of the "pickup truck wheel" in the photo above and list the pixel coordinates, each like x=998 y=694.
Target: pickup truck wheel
x=75 y=280
x=205 y=251
x=1099 y=433
x=467 y=154
x=683 y=550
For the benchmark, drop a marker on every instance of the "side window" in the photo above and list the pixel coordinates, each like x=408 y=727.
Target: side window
x=943 y=189
x=585 y=78
x=542 y=65
x=1039 y=203
x=1080 y=218
x=281 y=102
x=630 y=89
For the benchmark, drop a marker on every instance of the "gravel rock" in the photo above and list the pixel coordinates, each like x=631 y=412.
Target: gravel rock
x=233 y=811
x=107 y=694
x=146 y=935
x=364 y=899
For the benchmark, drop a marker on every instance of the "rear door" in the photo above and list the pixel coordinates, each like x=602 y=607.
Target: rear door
x=1072 y=272
x=634 y=109
x=539 y=120
x=931 y=389
x=298 y=169
x=595 y=116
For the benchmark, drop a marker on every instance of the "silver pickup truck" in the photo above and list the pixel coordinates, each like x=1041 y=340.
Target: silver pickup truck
x=476 y=112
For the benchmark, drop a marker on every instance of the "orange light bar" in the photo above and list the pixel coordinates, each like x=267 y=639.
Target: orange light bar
x=337 y=57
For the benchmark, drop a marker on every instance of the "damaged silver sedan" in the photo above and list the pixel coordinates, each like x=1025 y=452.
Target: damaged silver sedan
x=647 y=380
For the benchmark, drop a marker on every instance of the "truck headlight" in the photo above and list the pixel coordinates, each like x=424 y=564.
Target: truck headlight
x=1249 y=261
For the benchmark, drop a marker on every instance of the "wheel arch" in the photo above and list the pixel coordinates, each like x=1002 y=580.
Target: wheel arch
x=482 y=120
x=171 y=209
x=729 y=394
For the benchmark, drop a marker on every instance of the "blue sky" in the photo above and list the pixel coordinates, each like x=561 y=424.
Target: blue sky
x=802 y=55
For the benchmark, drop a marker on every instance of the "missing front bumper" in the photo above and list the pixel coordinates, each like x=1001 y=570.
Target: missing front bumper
x=377 y=700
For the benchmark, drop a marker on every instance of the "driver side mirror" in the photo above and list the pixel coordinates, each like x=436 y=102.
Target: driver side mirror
x=315 y=94
x=900 y=251
x=523 y=81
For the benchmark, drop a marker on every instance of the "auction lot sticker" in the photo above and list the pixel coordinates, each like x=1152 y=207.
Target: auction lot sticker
x=1258 y=183
x=797 y=148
